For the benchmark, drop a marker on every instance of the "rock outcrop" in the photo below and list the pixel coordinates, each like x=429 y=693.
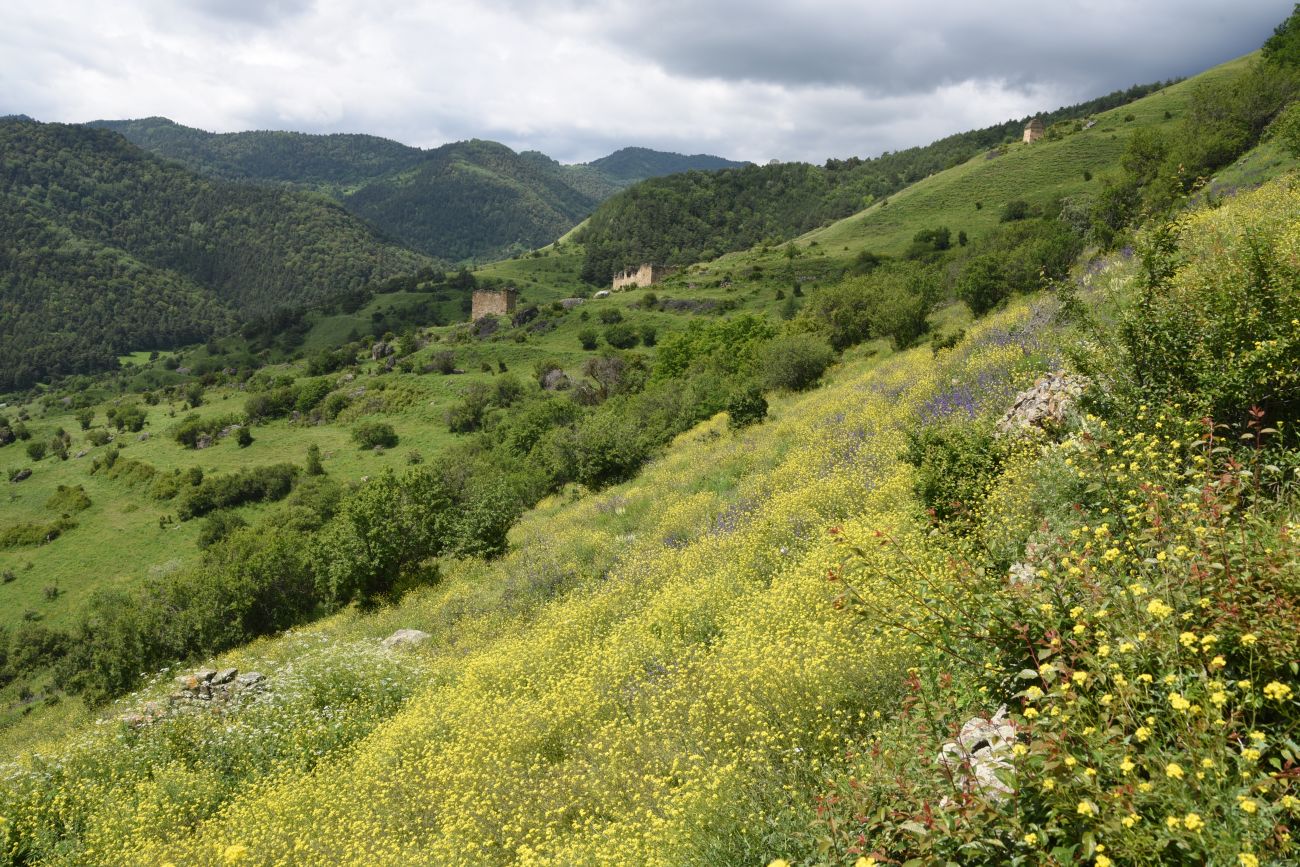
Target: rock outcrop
x=1046 y=406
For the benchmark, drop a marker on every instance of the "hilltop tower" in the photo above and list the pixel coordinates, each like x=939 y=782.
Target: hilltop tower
x=1033 y=130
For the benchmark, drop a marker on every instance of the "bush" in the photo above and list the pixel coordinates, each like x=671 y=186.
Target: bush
x=245 y=437
x=130 y=418
x=794 y=362
x=621 y=336
x=589 y=338
x=982 y=284
x=36 y=450
x=193 y=427
x=314 y=465
x=955 y=465
x=218 y=526
x=745 y=408
x=1215 y=314
x=891 y=301
x=371 y=434
x=272 y=482
x=1017 y=209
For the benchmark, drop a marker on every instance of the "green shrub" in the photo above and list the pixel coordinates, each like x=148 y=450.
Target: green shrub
x=745 y=408
x=36 y=450
x=68 y=499
x=621 y=335
x=1214 y=319
x=246 y=486
x=955 y=464
x=370 y=434
x=217 y=526
x=314 y=466
x=794 y=362
x=27 y=535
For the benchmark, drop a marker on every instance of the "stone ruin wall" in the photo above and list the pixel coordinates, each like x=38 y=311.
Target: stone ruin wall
x=646 y=275
x=493 y=302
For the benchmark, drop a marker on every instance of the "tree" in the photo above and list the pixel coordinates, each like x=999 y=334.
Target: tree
x=795 y=362
x=1283 y=47
x=314 y=465
x=982 y=284
x=85 y=417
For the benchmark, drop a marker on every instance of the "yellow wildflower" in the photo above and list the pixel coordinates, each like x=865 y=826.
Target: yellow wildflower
x=1174 y=771
x=1277 y=691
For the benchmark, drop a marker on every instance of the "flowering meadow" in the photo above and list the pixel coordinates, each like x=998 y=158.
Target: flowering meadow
x=755 y=651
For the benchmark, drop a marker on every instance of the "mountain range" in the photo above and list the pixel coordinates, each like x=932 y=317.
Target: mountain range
x=469 y=200
x=105 y=248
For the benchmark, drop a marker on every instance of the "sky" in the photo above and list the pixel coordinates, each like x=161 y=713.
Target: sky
x=577 y=79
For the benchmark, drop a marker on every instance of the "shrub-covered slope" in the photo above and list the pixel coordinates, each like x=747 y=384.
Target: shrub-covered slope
x=759 y=648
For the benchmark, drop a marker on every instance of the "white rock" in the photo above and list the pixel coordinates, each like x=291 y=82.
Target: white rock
x=404 y=638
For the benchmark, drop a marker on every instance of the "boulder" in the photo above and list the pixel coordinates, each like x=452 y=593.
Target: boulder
x=203 y=442
x=404 y=638
x=225 y=675
x=22 y=475
x=982 y=752
x=555 y=380
x=1046 y=406
x=250 y=678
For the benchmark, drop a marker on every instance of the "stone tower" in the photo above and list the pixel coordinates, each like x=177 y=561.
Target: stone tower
x=493 y=302
x=1033 y=130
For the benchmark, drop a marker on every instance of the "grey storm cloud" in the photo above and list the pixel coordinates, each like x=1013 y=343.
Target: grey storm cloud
x=915 y=47
x=579 y=78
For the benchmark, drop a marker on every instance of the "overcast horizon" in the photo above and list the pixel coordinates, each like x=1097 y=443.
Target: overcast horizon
x=578 y=80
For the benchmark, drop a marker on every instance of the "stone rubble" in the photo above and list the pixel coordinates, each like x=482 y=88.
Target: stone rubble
x=1046 y=406
x=204 y=688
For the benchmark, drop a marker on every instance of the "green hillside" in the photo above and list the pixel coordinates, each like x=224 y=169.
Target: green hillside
x=786 y=636
x=690 y=217
x=472 y=200
x=336 y=164
x=108 y=249
x=958 y=531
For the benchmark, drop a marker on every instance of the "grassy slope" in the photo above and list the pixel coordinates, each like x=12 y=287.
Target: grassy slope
x=703 y=584
x=1037 y=173
x=119 y=540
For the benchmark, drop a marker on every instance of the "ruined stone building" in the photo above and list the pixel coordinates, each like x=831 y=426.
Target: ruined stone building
x=493 y=302
x=1033 y=130
x=646 y=275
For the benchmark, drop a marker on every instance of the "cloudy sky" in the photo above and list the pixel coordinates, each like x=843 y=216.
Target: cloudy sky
x=579 y=78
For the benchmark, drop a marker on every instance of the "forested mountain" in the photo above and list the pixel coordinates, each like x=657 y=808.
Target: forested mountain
x=687 y=217
x=630 y=165
x=465 y=200
x=105 y=248
x=330 y=163
x=473 y=199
